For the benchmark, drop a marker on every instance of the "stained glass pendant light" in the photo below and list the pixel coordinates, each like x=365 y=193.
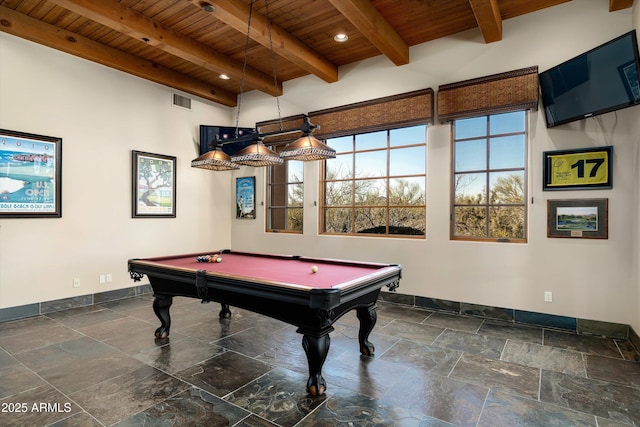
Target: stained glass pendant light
x=256 y=155
x=216 y=160
x=307 y=147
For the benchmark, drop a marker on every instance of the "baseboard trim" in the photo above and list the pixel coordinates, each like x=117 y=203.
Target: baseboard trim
x=571 y=324
x=35 y=309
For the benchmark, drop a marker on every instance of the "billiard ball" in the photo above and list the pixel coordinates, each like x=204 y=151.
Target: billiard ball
x=314 y=269
x=218 y=259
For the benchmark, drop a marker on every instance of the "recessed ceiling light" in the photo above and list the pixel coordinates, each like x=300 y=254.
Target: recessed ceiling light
x=224 y=77
x=341 y=37
x=207 y=7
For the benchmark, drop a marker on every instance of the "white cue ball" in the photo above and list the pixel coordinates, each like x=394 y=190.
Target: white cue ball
x=219 y=259
x=314 y=269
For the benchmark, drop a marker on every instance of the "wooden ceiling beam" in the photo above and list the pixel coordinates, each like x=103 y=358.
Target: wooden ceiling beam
x=235 y=13
x=22 y=26
x=487 y=15
x=366 y=18
x=127 y=21
x=619 y=4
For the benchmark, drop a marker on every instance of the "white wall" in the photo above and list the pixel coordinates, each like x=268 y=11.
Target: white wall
x=101 y=115
x=592 y=279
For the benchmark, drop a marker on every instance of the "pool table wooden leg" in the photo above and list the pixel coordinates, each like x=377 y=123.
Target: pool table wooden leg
x=316 y=348
x=225 y=312
x=161 y=305
x=367 y=316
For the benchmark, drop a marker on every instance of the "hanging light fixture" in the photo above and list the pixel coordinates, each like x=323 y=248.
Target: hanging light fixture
x=216 y=160
x=257 y=154
x=307 y=147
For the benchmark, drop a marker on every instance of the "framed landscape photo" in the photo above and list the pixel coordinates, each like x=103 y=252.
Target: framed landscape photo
x=245 y=197
x=585 y=169
x=30 y=175
x=578 y=218
x=154 y=185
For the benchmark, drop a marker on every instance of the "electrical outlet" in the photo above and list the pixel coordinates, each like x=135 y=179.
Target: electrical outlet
x=76 y=282
x=109 y=278
x=103 y=279
x=548 y=296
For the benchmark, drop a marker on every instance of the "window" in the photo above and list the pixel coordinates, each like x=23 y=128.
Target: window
x=376 y=183
x=489 y=177
x=285 y=196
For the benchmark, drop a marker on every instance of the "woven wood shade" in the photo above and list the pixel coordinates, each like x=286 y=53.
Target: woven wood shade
x=497 y=93
x=382 y=113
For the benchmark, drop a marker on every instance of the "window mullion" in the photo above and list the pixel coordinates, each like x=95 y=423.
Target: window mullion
x=504 y=185
x=372 y=186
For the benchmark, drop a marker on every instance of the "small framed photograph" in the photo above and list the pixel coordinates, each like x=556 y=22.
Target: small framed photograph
x=154 y=185
x=245 y=197
x=585 y=169
x=30 y=175
x=578 y=218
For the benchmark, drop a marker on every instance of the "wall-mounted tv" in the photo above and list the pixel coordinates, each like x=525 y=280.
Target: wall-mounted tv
x=598 y=81
x=209 y=134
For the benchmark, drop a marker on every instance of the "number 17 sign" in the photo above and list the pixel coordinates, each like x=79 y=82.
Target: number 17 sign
x=589 y=168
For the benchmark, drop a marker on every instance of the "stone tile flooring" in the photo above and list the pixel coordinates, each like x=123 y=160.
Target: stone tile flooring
x=101 y=366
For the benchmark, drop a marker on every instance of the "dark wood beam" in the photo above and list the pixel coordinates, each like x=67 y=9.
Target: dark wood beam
x=235 y=13
x=127 y=21
x=619 y=4
x=22 y=26
x=487 y=15
x=366 y=18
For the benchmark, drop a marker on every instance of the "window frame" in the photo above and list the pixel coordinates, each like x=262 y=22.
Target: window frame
x=487 y=205
x=286 y=184
x=353 y=207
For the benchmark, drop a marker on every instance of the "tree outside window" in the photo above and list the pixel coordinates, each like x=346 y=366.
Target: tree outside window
x=376 y=184
x=489 y=177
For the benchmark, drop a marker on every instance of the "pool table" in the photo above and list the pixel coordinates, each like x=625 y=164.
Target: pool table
x=283 y=287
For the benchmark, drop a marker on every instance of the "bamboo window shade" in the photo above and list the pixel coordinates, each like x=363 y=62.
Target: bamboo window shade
x=377 y=114
x=497 y=93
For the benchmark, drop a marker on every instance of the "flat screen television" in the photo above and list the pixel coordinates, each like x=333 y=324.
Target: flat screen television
x=210 y=134
x=601 y=80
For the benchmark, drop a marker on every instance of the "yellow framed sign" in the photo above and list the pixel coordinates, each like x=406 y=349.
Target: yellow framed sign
x=588 y=168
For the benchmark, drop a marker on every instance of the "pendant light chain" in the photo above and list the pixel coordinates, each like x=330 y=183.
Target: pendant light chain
x=273 y=62
x=244 y=68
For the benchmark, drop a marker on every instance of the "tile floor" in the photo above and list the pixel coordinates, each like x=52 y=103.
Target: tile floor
x=100 y=366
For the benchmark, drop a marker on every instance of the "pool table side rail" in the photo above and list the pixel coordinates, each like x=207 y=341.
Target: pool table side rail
x=215 y=285
x=275 y=256
x=188 y=275
x=157 y=266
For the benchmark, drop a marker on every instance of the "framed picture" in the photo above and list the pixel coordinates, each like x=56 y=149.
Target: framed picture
x=585 y=169
x=629 y=74
x=154 y=185
x=30 y=175
x=578 y=218
x=245 y=197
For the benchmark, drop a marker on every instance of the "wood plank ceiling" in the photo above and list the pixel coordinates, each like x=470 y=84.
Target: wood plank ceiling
x=188 y=44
